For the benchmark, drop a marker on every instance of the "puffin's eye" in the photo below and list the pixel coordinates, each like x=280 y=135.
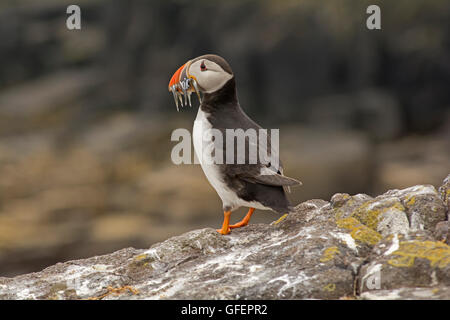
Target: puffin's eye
x=202 y=66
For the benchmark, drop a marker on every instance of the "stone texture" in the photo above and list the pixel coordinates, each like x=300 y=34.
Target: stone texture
x=412 y=260
x=351 y=247
x=396 y=211
x=444 y=191
x=442 y=231
x=279 y=261
x=437 y=293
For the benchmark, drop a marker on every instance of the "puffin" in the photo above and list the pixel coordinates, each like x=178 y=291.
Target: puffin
x=258 y=184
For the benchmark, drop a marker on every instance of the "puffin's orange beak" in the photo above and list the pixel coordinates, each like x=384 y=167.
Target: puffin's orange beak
x=176 y=77
x=182 y=84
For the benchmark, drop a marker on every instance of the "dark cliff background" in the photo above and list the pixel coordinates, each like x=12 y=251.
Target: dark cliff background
x=86 y=118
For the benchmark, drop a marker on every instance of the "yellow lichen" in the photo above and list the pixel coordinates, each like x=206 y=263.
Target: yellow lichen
x=366 y=235
x=367 y=216
x=330 y=287
x=140 y=257
x=370 y=217
x=363 y=221
x=116 y=291
x=141 y=260
x=280 y=219
x=347 y=223
x=350 y=202
x=359 y=231
x=338 y=213
x=411 y=201
x=436 y=252
x=329 y=254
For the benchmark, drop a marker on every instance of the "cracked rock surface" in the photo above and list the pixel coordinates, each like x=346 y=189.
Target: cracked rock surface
x=393 y=246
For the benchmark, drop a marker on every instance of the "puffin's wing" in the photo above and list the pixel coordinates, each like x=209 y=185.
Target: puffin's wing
x=269 y=177
x=286 y=188
x=263 y=172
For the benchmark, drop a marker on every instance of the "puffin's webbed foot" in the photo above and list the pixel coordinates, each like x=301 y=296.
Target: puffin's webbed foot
x=226 y=223
x=244 y=221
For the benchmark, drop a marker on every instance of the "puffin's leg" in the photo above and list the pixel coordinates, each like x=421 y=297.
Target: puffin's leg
x=226 y=223
x=244 y=221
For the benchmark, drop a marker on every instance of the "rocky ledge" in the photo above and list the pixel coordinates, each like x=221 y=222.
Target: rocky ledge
x=393 y=246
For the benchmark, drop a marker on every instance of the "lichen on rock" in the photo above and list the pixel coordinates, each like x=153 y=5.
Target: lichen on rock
x=351 y=247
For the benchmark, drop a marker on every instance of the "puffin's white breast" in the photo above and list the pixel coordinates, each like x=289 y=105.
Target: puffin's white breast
x=203 y=145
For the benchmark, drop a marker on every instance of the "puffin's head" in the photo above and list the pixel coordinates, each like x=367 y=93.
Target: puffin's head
x=205 y=74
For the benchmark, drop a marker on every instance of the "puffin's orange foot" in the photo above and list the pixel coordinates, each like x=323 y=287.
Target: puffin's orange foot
x=222 y=231
x=226 y=223
x=239 y=224
x=244 y=221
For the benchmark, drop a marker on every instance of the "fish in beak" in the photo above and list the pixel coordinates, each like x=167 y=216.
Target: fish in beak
x=182 y=85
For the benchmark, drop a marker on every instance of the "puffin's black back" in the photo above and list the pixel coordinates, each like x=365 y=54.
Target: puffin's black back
x=224 y=112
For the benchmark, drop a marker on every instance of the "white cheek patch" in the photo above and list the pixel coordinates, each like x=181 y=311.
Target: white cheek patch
x=212 y=79
x=215 y=80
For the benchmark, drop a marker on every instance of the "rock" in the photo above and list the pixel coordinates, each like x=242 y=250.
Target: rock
x=70 y=280
x=422 y=204
x=437 y=293
x=258 y=262
x=351 y=247
x=444 y=191
x=396 y=211
x=442 y=231
x=414 y=260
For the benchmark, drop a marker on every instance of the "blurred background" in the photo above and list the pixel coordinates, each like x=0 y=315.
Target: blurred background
x=86 y=118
